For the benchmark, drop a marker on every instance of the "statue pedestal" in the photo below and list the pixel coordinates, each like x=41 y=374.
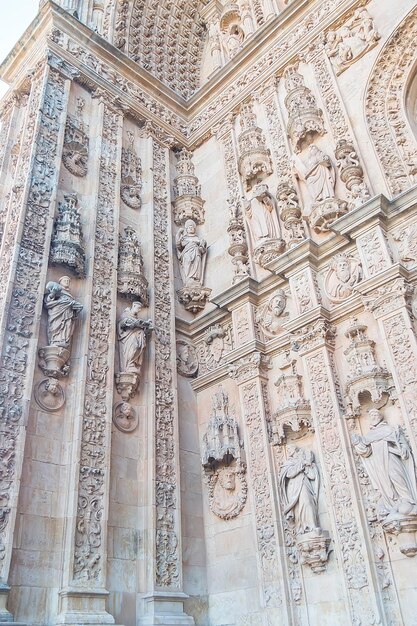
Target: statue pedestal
x=194 y=298
x=268 y=250
x=404 y=527
x=324 y=213
x=164 y=609
x=84 y=607
x=127 y=384
x=313 y=548
x=53 y=361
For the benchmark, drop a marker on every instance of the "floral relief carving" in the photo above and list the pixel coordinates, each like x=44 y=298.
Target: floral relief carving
x=351 y=41
x=48 y=87
x=406 y=239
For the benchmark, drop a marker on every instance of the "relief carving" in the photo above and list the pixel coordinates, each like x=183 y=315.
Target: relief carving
x=131 y=280
x=131 y=183
x=188 y=203
x=223 y=461
x=351 y=41
x=76 y=142
x=187 y=359
x=343 y=275
x=300 y=483
x=67 y=244
x=124 y=417
x=406 y=239
x=216 y=343
x=270 y=316
x=132 y=332
x=389 y=462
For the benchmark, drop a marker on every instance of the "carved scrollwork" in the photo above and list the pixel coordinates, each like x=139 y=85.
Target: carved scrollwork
x=131 y=182
x=76 y=143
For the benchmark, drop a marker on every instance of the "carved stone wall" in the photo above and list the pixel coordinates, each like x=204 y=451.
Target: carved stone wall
x=208 y=377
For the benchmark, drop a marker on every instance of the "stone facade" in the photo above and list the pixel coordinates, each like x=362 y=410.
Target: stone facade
x=208 y=366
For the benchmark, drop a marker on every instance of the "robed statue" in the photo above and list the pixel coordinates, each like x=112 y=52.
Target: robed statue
x=318 y=174
x=62 y=311
x=388 y=460
x=132 y=332
x=299 y=481
x=191 y=251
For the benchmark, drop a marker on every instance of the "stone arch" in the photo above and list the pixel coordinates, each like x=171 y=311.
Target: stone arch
x=166 y=38
x=385 y=107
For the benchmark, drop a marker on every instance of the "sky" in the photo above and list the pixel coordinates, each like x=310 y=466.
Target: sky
x=15 y=17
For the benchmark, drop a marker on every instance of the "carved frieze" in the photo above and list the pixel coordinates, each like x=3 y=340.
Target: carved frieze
x=67 y=244
x=76 y=142
x=131 y=280
x=131 y=181
x=351 y=41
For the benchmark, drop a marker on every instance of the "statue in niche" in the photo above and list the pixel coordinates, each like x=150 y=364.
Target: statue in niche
x=270 y=316
x=62 y=311
x=132 y=332
x=234 y=40
x=318 y=174
x=263 y=224
x=344 y=274
x=191 y=250
x=388 y=460
x=299 y=480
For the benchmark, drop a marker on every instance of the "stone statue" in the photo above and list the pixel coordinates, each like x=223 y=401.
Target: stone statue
x=389 y=462
x=318 y=174
x=62 y=311
x=132 y=331
x=262 y=216
x=191 y=250
x=299 y=480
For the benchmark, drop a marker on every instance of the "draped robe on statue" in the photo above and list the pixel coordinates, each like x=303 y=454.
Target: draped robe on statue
x=389 y=464
x=132 y=343
x=190 y=254
x=318 y=174
x=62 y=310
x=262 y=220
x=299 y=481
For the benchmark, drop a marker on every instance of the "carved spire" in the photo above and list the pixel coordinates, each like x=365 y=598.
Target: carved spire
x=131 y=281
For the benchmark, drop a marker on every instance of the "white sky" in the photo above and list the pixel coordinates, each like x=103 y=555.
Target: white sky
x=15 y=17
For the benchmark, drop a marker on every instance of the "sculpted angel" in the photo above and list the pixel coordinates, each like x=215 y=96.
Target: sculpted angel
x=191 y=251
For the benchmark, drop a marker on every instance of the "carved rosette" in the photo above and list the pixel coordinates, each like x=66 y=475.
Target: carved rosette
x=131 y=280
x=67 y=245
x=305 y=119
x=188 y=203
x=254 y=157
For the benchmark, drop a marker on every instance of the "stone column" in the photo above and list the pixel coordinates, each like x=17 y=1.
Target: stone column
x=83 y=595
x=250 y=373
x=24 y=254
x=315 y=344
x=163 y=601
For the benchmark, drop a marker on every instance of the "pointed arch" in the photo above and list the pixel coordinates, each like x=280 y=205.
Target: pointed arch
x=385 y=107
